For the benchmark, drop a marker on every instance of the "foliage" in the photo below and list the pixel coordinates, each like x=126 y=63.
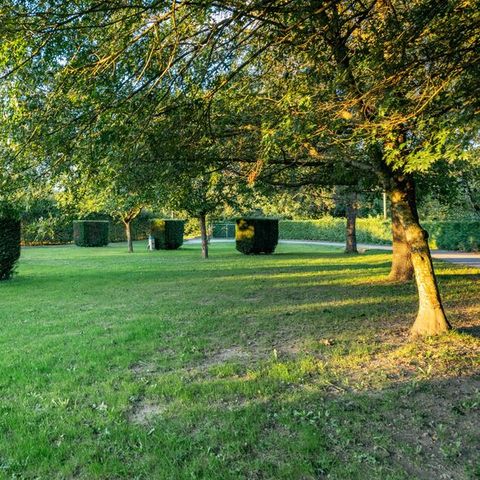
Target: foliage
x=202 y=190
x=140 y=228
x=48 y=230
x=90 y=233
x=256 y=235
x=448 y=234
x=46 y=223
x=168 y=234
x=455 y=235
x=192 y=227
x=10 y=228
x=369 y=230
x=118 y=192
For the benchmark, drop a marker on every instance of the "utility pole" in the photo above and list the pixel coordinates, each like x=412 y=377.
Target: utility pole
x=385 y=205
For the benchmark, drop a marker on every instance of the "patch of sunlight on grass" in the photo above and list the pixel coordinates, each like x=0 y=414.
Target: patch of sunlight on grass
x=289 y=371
x=313 y=307
x=293 y=365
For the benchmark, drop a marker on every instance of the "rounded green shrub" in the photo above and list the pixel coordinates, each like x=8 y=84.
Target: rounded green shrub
x=256 y=235
x=90 y=233
x=10 y=235
x=168 y=234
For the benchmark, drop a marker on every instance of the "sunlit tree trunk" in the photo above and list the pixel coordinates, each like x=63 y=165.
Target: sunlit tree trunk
x=402 y=266
x=351 y=214
x=128 y=233
x=431 y=319
x=203 y=232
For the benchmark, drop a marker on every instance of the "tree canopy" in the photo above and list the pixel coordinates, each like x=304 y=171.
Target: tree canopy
x=326 y=92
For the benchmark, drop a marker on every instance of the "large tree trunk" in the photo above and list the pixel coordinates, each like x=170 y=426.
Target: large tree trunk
x=431 y=319
x=203 y=231
x=128 y=232
x=351 y=214
x=402 y=266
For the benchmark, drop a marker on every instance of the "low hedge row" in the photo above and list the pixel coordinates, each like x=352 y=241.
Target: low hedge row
x=454 y=235
x=56 y=231
x=332 y=229
x=448 y=235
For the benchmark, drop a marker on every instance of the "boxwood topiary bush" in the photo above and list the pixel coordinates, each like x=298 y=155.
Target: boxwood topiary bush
x=256 y=235
x=168 y=234
x=10 y=235
x=90 y=233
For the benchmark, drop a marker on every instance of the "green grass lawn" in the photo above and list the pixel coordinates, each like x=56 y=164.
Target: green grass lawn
x=291 y=366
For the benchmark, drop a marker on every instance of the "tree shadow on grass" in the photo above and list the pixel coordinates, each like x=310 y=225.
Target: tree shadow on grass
x=312 y=296
x=474 y=331
x=204 y=269
x=423 y=430
x=265 y=427
x=458 y=276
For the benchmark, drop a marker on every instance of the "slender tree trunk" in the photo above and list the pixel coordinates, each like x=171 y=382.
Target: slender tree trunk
x=351 y=214
x=203 y=232
x=431 y=319
x=402 y=266
x=128 y=232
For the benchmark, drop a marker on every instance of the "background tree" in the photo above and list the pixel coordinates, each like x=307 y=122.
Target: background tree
x=202 y=193
x=394 y=79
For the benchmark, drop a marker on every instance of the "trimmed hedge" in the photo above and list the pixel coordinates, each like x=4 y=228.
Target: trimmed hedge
x=454 y=235
x=10 y=235
x=168 y=234
x=90 y=233
x=56 y=230
x=256 y=235
x=448 y=234
x=332 y=229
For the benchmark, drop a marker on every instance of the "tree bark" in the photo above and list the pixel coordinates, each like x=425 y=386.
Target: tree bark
x=128 y=232
x=431 y=319
x=351 y=214
x=203 y=232
x=402 y=266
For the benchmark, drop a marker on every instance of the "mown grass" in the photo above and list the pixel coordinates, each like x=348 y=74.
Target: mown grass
x=296 y=365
